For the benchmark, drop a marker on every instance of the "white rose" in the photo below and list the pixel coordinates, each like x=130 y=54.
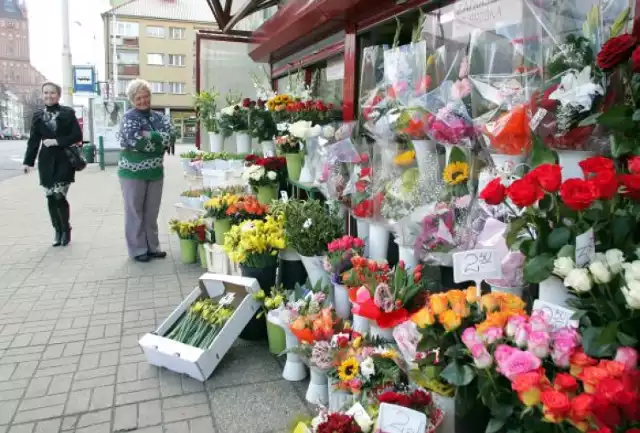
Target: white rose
x=562 y=266
x=283 y=127
x=272 y=175
x=631 y=294
x=615 y=260
x=328 y=131
x=632 y=270
x=600 y=273
x=300 y=129
x=315 y=131
x=257 y=174
x=228 y=110
x=367 y=368
x=578 y=280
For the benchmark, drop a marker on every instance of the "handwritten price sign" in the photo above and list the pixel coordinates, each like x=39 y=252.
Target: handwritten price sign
x=477 y=265
x=559 y=317
x=585 y=248
x=398 y=419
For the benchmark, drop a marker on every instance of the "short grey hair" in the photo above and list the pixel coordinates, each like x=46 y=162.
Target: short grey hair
x=136 y=86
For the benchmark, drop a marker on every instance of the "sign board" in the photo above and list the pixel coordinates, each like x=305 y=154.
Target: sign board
x=335 y=70
x=585 y=248
x=107 y=115
x=559 y=317
x=477 y=265
x=84 y=79
x=485 y=16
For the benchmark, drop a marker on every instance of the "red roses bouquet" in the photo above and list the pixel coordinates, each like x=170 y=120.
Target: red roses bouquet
x=552 y=212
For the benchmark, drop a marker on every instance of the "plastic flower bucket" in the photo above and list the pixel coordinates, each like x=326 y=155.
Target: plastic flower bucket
x=294 y=165
x=267 y=193
x=220 y=228
x=276 y=337
x=188 y=251
x=202 y=254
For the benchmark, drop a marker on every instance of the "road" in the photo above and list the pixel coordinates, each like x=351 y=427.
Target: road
x=11 y=154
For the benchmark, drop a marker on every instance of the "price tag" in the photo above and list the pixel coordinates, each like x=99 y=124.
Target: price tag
x=268 y=153
x=585 y=248
x=284 y=196
x=398 y=419
x=227 y=299
x=559 y=317
x=357 y=411
x=537 y=118
x=477 y=265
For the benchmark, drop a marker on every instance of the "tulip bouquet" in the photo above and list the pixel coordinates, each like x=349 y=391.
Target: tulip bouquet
x=339 y=255
x=311 y=303
x=314 y=327
x=274 y=301
x=255 y=243
x=551 y=212
x=218 y=207
x=200 y=325
x=184 y=229
x=381 y=294
x=246 y=208
x=607 y=300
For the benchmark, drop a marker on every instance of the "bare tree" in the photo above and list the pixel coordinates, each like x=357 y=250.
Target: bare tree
x=31 y=103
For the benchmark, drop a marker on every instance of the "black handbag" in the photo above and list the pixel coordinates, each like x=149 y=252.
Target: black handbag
x=75 y=158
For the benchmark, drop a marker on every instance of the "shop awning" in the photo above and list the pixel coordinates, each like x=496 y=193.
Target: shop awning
x=224 y=17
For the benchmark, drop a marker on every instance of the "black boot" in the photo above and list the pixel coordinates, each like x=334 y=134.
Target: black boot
x=52 y=204
x=65 y=227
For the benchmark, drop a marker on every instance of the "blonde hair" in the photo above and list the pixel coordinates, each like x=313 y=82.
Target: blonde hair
x=54 y=85
x=136 y=86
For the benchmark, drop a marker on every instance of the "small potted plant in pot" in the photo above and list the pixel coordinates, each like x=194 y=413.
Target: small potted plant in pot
x=202 y=237
x=262 y=127
x=290 y=147
x=217 y=208
x=205 y=103
x=309 y=227
x=264 y=175
x=336 y=262
x=186 y=232
x=271 y=304
x=254 y=245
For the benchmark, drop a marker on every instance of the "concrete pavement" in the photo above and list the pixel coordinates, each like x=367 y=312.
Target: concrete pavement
x=70 y=320
x=11 y=157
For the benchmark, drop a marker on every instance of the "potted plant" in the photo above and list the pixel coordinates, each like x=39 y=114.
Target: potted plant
x=202 y=237
x=262 y=127
x=205 y=103
x=270 y=306
x=309 y=227
x=247 y=208
x=254 y=245
x=234 y=120
x=218 y=208
x=337 y=262
x=291 y=148
x=264 y=175
x=186 y=232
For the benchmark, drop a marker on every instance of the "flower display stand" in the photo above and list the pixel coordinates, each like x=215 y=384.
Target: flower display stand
x=407 y=255
x=362 y=228
x=378 y=242
x=341 y=301
x=243 y=142
x=218 y=262
x=216 y=142
x=338 y=398
x=318 y=390
x=360 y=324
x=294 y=369
x=385 y=334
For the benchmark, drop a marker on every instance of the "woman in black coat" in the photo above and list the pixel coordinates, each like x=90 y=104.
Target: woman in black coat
x=52 y=130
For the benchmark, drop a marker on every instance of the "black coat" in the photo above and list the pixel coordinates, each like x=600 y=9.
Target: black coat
x=53 y=162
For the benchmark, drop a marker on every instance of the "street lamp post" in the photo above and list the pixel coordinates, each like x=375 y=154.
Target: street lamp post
x=67 y=63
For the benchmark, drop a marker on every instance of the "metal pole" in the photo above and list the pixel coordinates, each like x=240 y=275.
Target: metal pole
x=101 y=151
x=67 y=63
x=114 y=70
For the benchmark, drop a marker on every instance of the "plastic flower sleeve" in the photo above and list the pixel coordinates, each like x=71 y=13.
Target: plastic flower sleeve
x=405 y=71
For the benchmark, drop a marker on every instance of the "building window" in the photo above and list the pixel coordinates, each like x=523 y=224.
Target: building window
x=157 y=87
x=122 y=86
x=155 y=32
x=176 y=88
x=128 y=58
x=127 y=29
x=176 y=60
x=155 y=59
x=176 y=33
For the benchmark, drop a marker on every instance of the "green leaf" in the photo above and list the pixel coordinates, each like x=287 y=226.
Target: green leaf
x=541 y=154
x=617 y=118
x=567 y=251
x=458 y=375
x=608 y=334
x=621 y=227
x=513 y=232
x=619 y=23
x=538 y=268
x=621 y=146
x=495 y=425
x=626 y=339
x=457 y=155
x=591 y=120
x=558 y=238
x=590 y=337
x=636 y=116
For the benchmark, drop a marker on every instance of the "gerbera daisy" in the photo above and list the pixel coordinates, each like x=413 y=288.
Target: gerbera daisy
x=456 y=172
x=348 y=370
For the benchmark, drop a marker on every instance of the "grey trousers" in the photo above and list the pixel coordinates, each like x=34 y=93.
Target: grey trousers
x=141 y=207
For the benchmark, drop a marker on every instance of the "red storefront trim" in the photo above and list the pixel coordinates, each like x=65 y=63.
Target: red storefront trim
x=349 y=91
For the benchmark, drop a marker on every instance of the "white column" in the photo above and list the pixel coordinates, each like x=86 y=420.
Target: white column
x=167 y=111
x=67 y=64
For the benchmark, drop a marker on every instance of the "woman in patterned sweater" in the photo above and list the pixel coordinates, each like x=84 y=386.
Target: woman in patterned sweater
x=144 y=136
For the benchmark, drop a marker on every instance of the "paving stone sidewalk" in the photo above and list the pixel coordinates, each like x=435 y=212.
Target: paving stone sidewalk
x=70 y=320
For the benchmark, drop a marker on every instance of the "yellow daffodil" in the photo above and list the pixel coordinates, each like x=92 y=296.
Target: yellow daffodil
x=349 y=369
x=456 y=173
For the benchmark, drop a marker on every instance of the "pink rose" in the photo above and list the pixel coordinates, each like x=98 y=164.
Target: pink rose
x=565 y=342
x=358 y=243
x=519 y=362
x=491 y=335
x=539 y=321
x=514 y=323
x=481 y=357
x=538 y=343
x=522 y=335
x=628 y=356
x=503 y=352
x=470 y=337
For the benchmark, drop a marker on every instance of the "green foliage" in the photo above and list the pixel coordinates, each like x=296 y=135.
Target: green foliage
x=206 y=106
x=310 y=226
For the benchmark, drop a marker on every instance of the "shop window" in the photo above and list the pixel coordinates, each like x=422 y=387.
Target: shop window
x=328 y=81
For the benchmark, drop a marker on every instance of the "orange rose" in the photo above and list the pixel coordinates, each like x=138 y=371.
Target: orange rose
x=614 y=368
x=450 y=320
x=438 y=303
x=489 y=302
x=423 y=317
x=555 y=405
x=472 y=294
x=528 y=387
x=580 y=411
x=565 y=382
x=591 y=377
x=578 y=361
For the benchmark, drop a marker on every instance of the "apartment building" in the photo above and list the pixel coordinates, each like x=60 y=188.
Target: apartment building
x=155 y=40
x=12 y=114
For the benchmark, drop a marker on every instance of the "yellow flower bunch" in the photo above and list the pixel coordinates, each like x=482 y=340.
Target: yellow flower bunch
x=405 y=158
x=184 y=229
x=456 y=173
x=279 y=102
x=254 y=242
x=217 y=206
x=447 y=309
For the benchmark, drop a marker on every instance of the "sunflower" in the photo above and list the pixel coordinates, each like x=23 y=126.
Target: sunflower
x=348 y=370
x=456 y=172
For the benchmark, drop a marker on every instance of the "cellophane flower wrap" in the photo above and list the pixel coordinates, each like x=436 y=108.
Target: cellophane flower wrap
x=314 y=331
x=339 y=254
x=383 y=294
x=335 y=160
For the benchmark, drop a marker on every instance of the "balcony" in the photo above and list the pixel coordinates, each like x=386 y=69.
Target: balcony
x=133 y=70
x=125 y=42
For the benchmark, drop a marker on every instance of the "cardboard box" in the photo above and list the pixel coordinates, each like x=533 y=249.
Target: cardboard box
x=192 y=361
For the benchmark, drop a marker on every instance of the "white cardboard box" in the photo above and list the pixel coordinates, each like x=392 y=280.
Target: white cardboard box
x=192 y=361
